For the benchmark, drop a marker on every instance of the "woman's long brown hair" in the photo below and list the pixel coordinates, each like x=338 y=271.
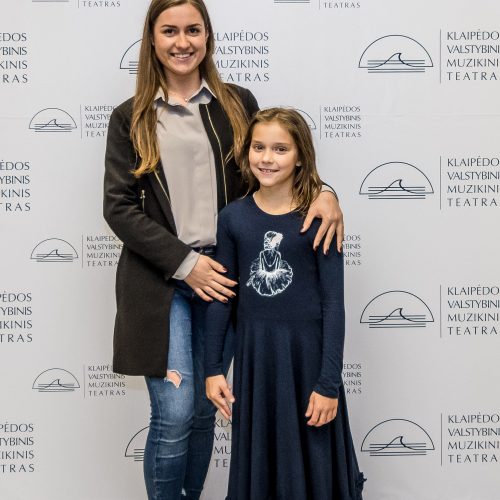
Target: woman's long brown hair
x=306 y=183
x=151 y=77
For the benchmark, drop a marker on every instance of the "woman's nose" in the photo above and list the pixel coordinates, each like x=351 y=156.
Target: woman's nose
x=182 y=41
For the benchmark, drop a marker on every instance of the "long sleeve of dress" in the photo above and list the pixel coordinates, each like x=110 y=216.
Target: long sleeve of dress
x=219 y=313
x=331 y=277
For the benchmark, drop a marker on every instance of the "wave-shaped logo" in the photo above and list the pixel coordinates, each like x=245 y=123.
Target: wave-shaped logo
x=397 y=438
x=308 y=118
x=54 y=250
x=137 y=445
x=52 y=120
x=130 y=60
x=395 y=54
x=397 y=309
x=396 y=180
x=56 y=380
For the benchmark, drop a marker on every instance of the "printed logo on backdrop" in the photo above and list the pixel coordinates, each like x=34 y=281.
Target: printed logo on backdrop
x=341 y=122
x=470 y=56
x=16 y=317
x=352 y=375
x=221 y=456
x=397 y=309
x=130 y=59
x=308 y=118
x=14 y=64
x=52 y=120
x=54 y=250
x=17 y=447
x=15 y=187
x=471 y=438
x=56 y=380
x=395 y=54
x=94 y=120
x=470 y=182
x=397 y=438
x=243 y=56
x=82 y=4
x=352 y=250
x=325 y=4
x=396 y=181
x=136 y=446
x=471 y=311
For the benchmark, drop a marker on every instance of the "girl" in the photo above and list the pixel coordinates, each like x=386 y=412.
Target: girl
x=291 y=437
x=170 y=167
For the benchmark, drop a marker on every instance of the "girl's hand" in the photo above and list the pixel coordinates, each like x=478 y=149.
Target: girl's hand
x=208 y=282
x=321 y=409
x=327 y=208
x=219 y=392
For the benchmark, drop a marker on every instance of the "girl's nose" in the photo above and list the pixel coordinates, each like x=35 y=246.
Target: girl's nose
x=267 y=156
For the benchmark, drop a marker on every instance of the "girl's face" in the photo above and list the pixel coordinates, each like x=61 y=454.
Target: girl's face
x=180 y=41
x=273 y=155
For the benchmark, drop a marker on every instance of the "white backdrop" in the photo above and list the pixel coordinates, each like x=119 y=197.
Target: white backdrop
x=403 y=101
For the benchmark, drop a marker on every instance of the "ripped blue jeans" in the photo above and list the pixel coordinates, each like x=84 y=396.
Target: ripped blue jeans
x=181 y=433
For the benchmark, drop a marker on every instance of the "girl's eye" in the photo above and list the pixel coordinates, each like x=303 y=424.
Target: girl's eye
x=281 y=149
x=257 y=147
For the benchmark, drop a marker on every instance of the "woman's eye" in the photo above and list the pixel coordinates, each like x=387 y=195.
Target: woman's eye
x=194 y=31
x=169 y=31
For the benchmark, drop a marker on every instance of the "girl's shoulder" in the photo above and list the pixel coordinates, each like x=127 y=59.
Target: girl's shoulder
x=236 y=209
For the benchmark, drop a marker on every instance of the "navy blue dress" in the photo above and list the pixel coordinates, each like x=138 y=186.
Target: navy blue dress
x=289 y=342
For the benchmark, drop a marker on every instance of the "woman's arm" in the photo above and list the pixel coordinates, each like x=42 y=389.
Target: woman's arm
x=139 y=232
x=326 y=207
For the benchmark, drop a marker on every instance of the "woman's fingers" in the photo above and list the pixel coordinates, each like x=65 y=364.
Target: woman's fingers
x=205 y=279
x=340 y=235
x=202 y=295
x=325 y=224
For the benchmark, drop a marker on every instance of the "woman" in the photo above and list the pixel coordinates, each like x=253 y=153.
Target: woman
x=170 y=167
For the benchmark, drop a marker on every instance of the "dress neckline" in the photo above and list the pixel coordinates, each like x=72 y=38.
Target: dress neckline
x=254 y=203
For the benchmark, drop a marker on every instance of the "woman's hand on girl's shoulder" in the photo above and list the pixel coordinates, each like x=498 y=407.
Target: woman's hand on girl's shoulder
x=219 y=392
x=327 y=208
x=321 y=410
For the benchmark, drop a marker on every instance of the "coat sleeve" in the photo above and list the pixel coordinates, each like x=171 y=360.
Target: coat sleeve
x=331 y=276
x=139 y=232
x=219 y=313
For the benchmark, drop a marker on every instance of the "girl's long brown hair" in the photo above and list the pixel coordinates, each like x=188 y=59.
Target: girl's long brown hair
x=307 y=183
x=151 y=77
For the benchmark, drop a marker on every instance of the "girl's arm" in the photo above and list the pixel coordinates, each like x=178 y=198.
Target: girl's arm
x=323 y=402
x=217 y=321
x=122 y=212
x=331 y=277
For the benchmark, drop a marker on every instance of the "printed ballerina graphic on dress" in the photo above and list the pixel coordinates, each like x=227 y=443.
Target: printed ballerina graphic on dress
x=270 y=274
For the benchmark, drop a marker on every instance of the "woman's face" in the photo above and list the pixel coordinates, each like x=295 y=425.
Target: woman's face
x=180 y=41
